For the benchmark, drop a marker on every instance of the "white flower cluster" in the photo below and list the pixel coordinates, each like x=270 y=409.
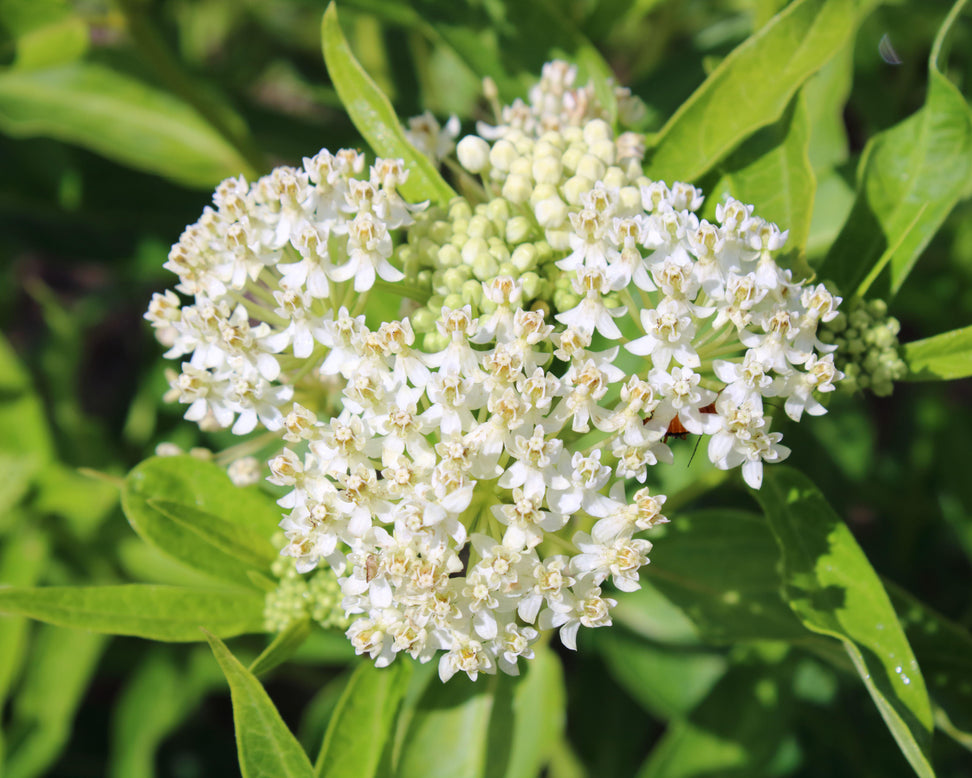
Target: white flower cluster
x=285 y=253
x=463 y=471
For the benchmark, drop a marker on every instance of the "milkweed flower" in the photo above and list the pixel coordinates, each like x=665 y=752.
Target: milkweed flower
x=474 y=470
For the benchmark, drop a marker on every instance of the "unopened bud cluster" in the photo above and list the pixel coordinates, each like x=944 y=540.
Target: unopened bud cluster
x=464 y=470
x=868 y=351
x=298 y=597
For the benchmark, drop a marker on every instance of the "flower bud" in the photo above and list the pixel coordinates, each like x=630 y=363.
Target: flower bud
x=473 y=153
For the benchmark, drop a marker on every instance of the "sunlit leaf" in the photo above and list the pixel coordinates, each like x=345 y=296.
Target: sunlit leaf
x=941 y=357
x=536 y=718
x=201 y=487
x=119 y=117
x=265 y=746
x=168 y=613
x=772 y=171
x=363 y=721
x=448 y=733
x=750 y=88
x=833 y=589
x=374 y=116
x=22 y=559
x=909 y=179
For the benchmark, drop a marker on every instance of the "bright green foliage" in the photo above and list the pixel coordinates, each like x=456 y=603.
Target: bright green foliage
x=265 y=746
x=374 y=116
x=363 y=721
x=167 y=613
x=909 y=179
x=832 y=588
x=739 y=97
x=940 y=357
x=115 y=115
x=160 y=495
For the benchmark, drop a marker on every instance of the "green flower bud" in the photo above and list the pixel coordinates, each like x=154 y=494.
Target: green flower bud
x=459 y=209
x=498 y=211
x=531 y=284
x=518 y=229
x=517 y=189
x=472 y=293
x=453 y=301
x=473 y=249
x=485 y=266
x=575 y=188
x=449 y=256
x=423 y=320
x=524 y=257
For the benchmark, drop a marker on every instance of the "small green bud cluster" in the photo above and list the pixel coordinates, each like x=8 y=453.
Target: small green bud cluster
x=298 y=597
x=455 y=251
x=532 y=188
x=868 y=352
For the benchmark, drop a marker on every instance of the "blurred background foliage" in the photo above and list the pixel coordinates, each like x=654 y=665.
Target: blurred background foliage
x=118 y=118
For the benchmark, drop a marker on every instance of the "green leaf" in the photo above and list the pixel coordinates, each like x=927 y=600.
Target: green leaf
x=249 y=546
x=909 y=179
x=23 y=558
x=833 y=589
x=448 y=734
x=772 y=170
x=944 y=652
x=941 y=357
x=156 y=699
x=47 y=32
x=62 y=663
x=119 y=117
x=199 y=486
x=720 y=568
x=750 y=88
x=282 y=647
x=167 y=613
x=82 y=501
x=374 y=116
x=363 y=721
x=539 y=698
x=741 y=728
x=668 y=681
x=24 y=432
x=264 y=744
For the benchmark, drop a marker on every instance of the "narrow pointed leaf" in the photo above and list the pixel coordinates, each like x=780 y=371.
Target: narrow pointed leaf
x=940 y=358
x=363 y=721
x=750 y=88
x=373 y=115
x=169 y=613
x=909 y=179
x=833 y=589
x=201 y=487
x=22 y=560
x=265 y=746
x=118 y=117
